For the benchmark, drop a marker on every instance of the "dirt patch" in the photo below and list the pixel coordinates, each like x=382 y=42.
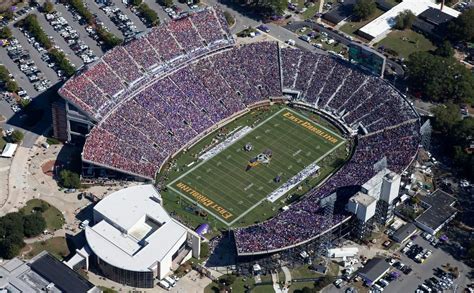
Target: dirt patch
x=48 y=168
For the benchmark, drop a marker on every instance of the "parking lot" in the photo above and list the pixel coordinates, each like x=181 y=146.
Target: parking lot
x=426 y=270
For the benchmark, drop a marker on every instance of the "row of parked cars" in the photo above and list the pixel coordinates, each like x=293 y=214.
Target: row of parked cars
x=44 y=56
x=120 y=19
x=89 y=29
x=71 y=36
x=26 y=64
x=437 y=284
x=168 y=282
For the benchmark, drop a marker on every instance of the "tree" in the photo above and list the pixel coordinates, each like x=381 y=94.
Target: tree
x=439 y=79
x=48 y=7
x=69 y=179
x=10 y=248
x=33 y=224
x=109 y=39
x=462 y=27
x=229 y=18
x=136 y=2
x=149 y=14
x=204 y=249
x=364 y=8
x=4 y=77
x=445 y=50
x=446 y=117
x=404 y=20
x=5 y=33
x=63 y=63
x=17 y=136
x=167 y=3
x=11 y=86
x=227 y=279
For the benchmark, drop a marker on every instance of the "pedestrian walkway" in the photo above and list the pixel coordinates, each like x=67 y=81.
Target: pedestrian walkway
x=287 y=273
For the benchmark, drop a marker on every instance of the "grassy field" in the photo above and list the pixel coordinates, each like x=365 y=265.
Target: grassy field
x=351 y=27
x=54 y=218
x=228 y=188
x=406 y=42
x=57 y=246
x=240 y=284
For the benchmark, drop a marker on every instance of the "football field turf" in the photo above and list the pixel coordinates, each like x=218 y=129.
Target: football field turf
x=224 y=187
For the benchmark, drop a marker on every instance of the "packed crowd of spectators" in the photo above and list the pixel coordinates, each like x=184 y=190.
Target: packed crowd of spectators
x=157 y=112
x=167 y=46
x=165 y=115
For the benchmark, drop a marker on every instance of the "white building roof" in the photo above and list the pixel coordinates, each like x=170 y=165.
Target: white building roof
x=136 y=232
x=363 y=199
x=386 y=21
x=9 y=150
x=374 y=184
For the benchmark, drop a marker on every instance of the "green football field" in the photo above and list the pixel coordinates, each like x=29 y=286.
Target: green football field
x=224 y=187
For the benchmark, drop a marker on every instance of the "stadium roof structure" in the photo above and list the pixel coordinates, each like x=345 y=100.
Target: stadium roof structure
x=382 y=24
x=136 y=231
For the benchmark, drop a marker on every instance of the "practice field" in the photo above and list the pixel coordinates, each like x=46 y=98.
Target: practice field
x=234 y=182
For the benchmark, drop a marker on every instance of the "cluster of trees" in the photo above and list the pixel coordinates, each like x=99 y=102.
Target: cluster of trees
x=14 y=227
x=457 y=133
x=16 y=136
x=404 y=20
x=82 y=10
x=69 y=179
x=266 y=8
x=5 y=33
x=363 y=9
x=110 y=40
x=48 y=7
x=461 y=29
x=166 y=3
x=9 y=84
x=63 y=63
x=149 y=14
x=229 y=18
x=439 y=79
x=31 y=24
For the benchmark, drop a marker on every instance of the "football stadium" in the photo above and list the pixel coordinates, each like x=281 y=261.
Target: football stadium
x=230 y=131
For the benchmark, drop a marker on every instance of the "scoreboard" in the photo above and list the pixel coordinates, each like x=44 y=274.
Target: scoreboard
x=367 y=58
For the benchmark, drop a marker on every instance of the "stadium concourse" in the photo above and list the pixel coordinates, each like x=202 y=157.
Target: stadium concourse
x=166 y=89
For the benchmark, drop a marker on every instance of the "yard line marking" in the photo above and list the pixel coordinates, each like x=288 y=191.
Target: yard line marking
x=296 y=153
x=248 y=186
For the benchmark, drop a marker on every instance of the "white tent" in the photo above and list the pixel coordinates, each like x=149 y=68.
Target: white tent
x=9 y=150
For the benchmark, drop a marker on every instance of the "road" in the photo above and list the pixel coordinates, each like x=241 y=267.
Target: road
x=295 y=26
